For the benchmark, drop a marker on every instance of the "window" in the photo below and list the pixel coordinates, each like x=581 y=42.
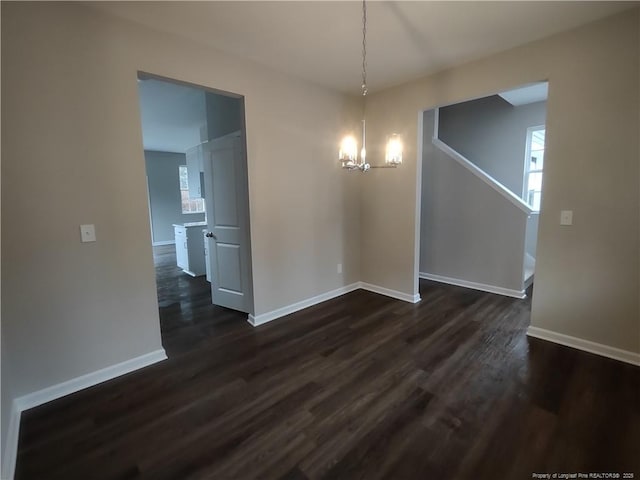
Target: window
x=534 y=163
x=189 y=205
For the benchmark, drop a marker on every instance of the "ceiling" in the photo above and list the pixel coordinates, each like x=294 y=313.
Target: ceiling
x=321 y=41
x=172 y=115
x=536 y=92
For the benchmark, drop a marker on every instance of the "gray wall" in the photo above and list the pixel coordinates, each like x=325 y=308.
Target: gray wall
x=224 y=115
x=164 y=194
x=468 y=231
x=492 y=133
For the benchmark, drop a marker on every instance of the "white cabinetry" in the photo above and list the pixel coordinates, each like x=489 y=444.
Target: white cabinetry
x=182 y=252
x=190 y=248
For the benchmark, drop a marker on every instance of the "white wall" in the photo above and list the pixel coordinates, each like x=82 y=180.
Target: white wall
x=468 y=231
x=587 y=277
x=165 y=201
x=72 y=141
x=532 y=234
x=492 y=133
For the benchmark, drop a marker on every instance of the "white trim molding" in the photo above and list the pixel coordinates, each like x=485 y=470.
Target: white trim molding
x=508 y=292
x=585 y=345
x=405 y=297
x=482 y=175
x=478 y=172
x=39 y=397
x=257 y=320
x=164 y=242
x=53 y=392
x=11 y=444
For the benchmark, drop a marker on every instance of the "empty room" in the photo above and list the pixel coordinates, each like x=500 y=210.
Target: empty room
x=369 y=299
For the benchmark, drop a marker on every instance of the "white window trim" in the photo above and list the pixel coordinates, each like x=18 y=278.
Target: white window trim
x=186 y=190
x=527 y=160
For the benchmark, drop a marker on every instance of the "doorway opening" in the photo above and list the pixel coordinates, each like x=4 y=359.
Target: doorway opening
x=479 y=201
x=198 y=199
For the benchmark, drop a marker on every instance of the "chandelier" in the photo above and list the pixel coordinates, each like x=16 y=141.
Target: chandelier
x=348 y=153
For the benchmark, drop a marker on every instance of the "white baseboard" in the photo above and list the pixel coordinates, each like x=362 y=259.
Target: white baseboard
x=164 y=242
x=11 y=444
x=585 y=345
x=257 y=320
x=405 y=297
x=34 y=399
x=53 y=392
x=476 y=286
x=529 y=281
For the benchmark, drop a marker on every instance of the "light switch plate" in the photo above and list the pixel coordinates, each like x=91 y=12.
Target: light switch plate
x=87 y=233
x=566 y=217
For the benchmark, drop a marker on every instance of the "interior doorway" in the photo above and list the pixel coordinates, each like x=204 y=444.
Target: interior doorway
x=481 y=191
x=197 y=194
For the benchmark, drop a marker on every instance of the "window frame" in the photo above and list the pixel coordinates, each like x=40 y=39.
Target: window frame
x=193 y=202
x=527 y=162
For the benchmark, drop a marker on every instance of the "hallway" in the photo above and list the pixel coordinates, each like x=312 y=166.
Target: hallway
x=188 y=320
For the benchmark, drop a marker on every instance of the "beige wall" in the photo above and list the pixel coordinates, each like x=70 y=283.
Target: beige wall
x=587 y=280
x=73 y=154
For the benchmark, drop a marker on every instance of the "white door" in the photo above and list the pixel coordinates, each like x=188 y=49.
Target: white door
x=227 y=206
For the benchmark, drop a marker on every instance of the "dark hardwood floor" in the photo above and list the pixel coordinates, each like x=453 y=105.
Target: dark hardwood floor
x=187 y=317
x=361 y=386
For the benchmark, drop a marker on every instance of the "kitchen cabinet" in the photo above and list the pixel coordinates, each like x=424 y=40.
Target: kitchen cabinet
x=195 y=169
x=190 y=255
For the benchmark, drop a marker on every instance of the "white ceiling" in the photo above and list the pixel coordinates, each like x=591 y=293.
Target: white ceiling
x=321 y=41
x=536 y=92
x=172 y=115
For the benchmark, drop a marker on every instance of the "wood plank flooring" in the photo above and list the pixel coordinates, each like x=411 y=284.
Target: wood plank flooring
x=187 y=317
x=361 y=386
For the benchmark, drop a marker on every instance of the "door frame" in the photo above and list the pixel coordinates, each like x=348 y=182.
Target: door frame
x=144 y=75
x=420 y=137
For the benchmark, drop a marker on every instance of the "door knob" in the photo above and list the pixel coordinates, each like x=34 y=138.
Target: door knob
x=210 y=235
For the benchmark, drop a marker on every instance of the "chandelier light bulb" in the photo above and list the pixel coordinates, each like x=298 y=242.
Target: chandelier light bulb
x=393 y=154
x=348 y=154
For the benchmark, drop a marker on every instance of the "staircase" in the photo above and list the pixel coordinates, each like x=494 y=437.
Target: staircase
x=502 y=264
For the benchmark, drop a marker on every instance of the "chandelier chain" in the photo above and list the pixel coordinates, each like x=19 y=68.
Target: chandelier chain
x=348 y=153
x=364 y=47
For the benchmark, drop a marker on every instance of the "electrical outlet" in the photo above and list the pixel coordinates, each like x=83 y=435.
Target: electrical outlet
x=339 y=268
